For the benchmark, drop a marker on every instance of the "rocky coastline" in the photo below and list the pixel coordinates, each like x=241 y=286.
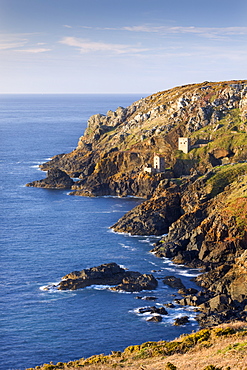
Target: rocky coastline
x=197 y=203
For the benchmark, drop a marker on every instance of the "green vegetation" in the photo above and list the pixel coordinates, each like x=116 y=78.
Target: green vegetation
x=234 y=347
x=225 y=175
x=229 y=136
x=204 y=338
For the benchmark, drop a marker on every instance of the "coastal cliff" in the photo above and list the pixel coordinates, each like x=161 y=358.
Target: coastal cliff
x=116 y=147
x=196 y=195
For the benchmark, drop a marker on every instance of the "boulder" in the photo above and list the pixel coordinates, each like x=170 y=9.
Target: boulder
x=154 y=309
x=181 y=320
x=173 y=282
x=218 y=303
x=156 y=318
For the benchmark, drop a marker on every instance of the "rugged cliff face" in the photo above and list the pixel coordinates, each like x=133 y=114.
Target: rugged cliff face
x=199 y=199
x=115 y=147
x=212 y=235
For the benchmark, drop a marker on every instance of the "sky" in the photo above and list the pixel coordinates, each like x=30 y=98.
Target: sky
x=119 y=46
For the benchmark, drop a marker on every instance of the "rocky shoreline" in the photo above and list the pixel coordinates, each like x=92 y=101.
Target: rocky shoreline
x=116 y=278
x=199 y=199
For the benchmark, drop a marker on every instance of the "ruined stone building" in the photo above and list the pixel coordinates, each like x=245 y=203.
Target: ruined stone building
x=184 y=144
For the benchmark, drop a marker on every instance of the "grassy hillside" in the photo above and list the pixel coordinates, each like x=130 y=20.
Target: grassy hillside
x=221 y=348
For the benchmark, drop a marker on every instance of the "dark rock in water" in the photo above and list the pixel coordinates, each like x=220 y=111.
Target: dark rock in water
x=56 y=179
x=149 y=298
x=108 y=274
x=135 y=282
x=181 y=320
x=173 y=282
x=169 y=305
x=146 y=298
x=168 y=250
x=156 y=318
x=154 y=309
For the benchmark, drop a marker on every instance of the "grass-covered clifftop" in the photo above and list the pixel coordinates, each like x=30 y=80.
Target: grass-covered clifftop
x=221 y=348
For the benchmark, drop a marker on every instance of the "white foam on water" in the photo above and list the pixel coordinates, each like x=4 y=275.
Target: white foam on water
x=188 y=273
x=151 y=262
x=118 y=205
x=99 y=287
x=166 y=260
x=51 y=287
x=180 y=269
x=171 y=269
x=43 y=287
x=117 y=232
x=147 y=240
x=123 y=267
x=132 y=249
x=122 y=292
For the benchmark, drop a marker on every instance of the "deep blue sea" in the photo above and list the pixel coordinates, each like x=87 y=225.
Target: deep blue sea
x=46 y=234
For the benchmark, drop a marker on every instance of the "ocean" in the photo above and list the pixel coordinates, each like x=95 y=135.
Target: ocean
x=46 y=234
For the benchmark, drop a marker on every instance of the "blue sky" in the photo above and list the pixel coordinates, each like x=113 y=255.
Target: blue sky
x=119 y=46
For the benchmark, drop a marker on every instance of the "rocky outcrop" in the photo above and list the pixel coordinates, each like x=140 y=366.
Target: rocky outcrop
x=211 y=234
x=56 y=179
x=108 y=274
x=152 y=217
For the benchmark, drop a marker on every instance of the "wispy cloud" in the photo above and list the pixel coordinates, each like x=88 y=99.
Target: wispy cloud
x=11 y=45
x=87 y=46
x=33 y=50
x=12 y=42
x=67 y=26
x=209 y=32
x=21 y=43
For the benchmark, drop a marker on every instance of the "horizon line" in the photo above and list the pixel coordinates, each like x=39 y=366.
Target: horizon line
x=72 y=93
